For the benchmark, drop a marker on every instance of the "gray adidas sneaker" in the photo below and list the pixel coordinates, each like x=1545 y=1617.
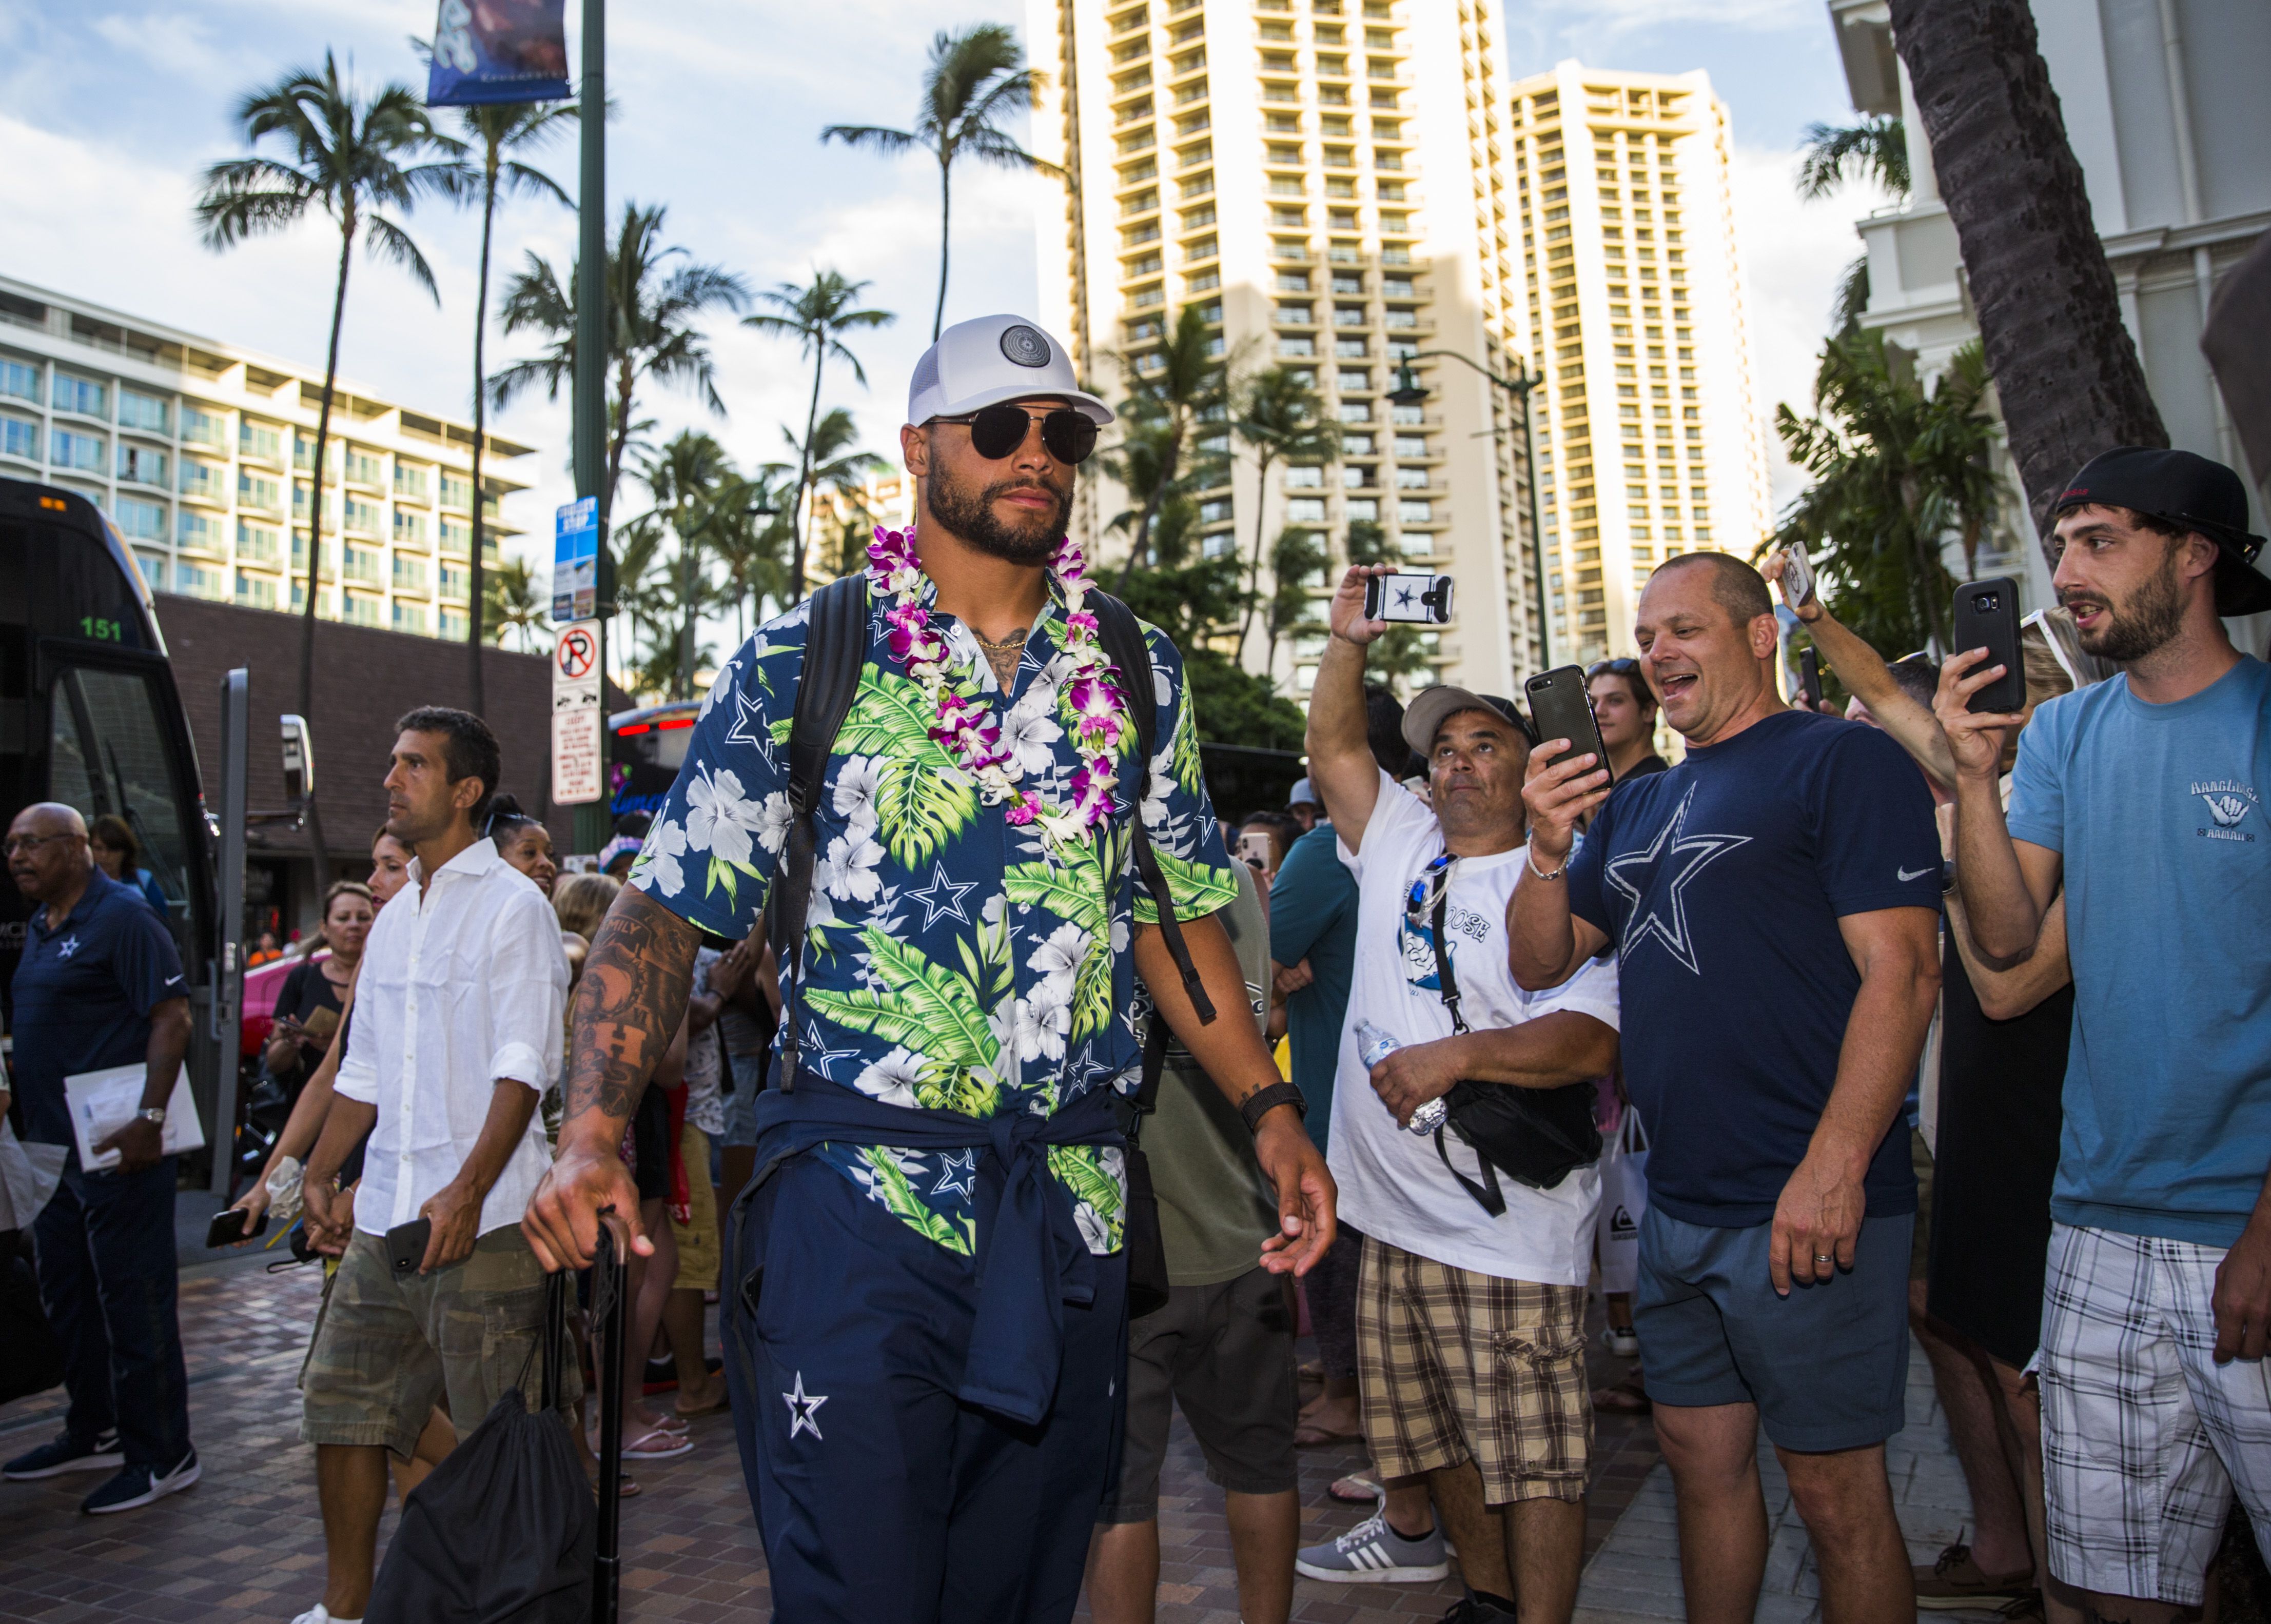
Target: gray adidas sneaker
x=1371 y=1553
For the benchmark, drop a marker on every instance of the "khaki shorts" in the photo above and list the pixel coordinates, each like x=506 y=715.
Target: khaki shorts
x=1456 y=1366
x=386 y=1351
x=698 y=1249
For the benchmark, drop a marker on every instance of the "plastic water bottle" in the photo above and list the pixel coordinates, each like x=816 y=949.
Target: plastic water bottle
x=1374 y=1045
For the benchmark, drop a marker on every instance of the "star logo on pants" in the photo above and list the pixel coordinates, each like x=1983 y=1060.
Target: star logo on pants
x=802 y=1408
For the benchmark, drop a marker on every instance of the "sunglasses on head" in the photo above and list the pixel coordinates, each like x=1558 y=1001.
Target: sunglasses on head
x=997 y=432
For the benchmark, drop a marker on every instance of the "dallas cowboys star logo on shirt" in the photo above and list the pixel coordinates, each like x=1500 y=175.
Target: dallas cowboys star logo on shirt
x=802 y=1408
x=941 y=898
x=1635 y=875
x=961 y=1170
x=65 y=948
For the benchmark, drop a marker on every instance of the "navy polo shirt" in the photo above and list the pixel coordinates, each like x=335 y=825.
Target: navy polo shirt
x=83 y=992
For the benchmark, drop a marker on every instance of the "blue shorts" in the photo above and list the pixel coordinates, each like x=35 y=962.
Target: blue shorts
x=741 y=1103
x=1827 y=1366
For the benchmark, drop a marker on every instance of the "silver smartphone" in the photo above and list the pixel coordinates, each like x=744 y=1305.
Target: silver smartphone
x=1796 y=576
x=1424 y=600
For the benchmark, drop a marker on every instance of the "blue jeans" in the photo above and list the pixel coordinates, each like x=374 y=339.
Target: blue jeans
x=107 y=1279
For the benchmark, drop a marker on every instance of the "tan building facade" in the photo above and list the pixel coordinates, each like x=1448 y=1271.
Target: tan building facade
x=1650 y=441
x=1328 y=181
x=195 y=448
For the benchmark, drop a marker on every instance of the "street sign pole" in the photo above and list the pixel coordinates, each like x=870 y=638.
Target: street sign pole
x=579 y=761
x=591 y=408
x=228 y=955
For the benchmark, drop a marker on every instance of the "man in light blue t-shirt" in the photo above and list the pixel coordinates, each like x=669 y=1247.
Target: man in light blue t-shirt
x=2144 y=797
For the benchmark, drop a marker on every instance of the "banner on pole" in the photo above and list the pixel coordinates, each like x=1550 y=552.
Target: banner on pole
x=498 y=50
x=576 y=561
x=579 y=761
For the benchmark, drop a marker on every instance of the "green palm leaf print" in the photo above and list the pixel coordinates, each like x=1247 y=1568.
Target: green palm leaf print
x=1072 y=888
x=919 y=809
x=1184 y=762
x=890 y=717
x=1077 y=1167
x=930 y=1009
x=899 y=1198
x=1198 y=889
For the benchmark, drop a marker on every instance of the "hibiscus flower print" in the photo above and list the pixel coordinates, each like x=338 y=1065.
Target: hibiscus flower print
x=1059 y=958
x=1045 y=1021
x=659 y=868
x=1030 y=730
x=773 y=819
x=847 y=871
x=718 y=817
x=893 y=1079
x=858 y=781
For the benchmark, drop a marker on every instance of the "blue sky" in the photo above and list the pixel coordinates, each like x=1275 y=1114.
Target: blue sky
x=108 y=109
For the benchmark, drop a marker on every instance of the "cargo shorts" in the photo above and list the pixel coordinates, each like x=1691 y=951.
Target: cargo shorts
x=385 y=1351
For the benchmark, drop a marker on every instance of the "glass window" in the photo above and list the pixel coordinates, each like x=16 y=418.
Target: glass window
x=20 y=379
x=205 y=429
x=18 y=438
x=146 y=413
x=108 y=755
x=255 y=591
x=141 y=520
x=66 y=450
x=141 y=464
x=197 y=529
x=81 y=394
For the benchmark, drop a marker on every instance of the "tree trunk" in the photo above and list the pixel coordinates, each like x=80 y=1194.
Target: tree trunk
x=322 y=858
x=2050 y=317
x=1261 y=530
x=797 y=518
x=480 y=332
x=945 y=226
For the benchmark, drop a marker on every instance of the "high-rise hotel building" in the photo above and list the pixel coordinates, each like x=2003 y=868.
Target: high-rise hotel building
x=1330 y=182
x=1649 y=442
x=203 y=454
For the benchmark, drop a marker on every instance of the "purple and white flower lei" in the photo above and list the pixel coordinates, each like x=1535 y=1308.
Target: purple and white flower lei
x=1092 y=705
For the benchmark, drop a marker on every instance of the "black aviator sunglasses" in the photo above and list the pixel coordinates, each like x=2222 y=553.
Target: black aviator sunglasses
x=995 y=431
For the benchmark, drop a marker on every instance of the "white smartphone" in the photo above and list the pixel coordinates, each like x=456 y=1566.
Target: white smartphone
x=1797 y=577
x=1422 y=598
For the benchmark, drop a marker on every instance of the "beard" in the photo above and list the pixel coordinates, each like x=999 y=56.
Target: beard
x=2145 y=620
x=970 y=515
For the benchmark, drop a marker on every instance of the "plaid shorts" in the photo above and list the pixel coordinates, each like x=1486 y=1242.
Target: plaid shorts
x=1457 y=1365
x=2145 y=1437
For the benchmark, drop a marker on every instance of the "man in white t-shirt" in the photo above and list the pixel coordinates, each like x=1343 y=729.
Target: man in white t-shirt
x=1470 y=1325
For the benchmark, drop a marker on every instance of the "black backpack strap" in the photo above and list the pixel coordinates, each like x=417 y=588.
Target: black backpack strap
x=1123 y=642
x=835 y=654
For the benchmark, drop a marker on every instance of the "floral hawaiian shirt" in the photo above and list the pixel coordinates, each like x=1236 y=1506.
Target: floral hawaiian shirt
x=953 y=961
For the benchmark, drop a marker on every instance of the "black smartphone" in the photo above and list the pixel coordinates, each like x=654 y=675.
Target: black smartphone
x=1409 y=595
x=1809 y=676
x=1987 y=616
x=405 y=1245
x=228 y=1227
x=1562 y=707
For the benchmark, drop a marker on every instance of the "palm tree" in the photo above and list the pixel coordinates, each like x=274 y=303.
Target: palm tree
x=512 y=603
x=1280 y=415
x=831 y=463
x=1164 y=402
x=753 y=538
x=814 y=317
x=651 y=306
x=1296 y=560
x=496 y=129
x=687 y=481
x=1894 y=469
x=1876 y=148
x=351 y=157
x=975 y=78
x=2065 y=369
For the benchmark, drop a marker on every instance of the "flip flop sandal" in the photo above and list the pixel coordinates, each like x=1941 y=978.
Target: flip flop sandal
x=1310 y=1436
x=1627 y=1398
x=672 y=1445
x=1355 y=1489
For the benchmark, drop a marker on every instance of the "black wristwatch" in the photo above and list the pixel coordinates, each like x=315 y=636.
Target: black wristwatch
x=1268 y=1100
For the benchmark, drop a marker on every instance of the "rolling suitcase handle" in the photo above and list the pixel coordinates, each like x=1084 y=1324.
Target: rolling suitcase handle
x=610 y=1258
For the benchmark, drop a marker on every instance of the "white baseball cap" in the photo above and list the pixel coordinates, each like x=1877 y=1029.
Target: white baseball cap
x=994 y=358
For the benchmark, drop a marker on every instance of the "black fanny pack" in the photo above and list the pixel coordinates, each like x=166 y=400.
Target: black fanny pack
x=1535 y=1136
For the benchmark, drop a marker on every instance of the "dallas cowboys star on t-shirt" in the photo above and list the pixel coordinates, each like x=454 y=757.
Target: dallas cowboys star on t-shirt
x=1722 y=882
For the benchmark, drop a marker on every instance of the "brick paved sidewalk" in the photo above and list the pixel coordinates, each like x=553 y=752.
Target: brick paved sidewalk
x=245 y=1546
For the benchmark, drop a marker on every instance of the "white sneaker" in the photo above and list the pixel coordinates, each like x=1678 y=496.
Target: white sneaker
x=321 y=1614
x=1371 y=1553
x=1623 y=1341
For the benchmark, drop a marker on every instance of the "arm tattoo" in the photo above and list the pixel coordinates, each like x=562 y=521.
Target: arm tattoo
x=628 y=1006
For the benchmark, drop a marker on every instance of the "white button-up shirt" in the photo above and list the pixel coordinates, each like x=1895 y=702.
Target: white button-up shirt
x=462 y=988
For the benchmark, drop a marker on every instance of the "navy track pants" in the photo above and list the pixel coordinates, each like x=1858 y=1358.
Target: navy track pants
x=881 y=1497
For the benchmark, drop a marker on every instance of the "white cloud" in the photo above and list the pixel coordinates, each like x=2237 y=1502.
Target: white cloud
x=1794 y=255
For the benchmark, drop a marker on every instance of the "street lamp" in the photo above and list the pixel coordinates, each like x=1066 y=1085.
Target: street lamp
x=1408 y=391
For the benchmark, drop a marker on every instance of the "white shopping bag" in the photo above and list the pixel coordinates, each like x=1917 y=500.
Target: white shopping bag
x=1624 y=1202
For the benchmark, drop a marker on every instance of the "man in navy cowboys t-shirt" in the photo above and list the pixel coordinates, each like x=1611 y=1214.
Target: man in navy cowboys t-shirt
x=1773 y=900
